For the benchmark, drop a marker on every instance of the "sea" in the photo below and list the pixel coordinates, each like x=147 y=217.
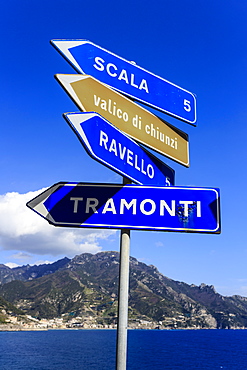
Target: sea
x=147 y=349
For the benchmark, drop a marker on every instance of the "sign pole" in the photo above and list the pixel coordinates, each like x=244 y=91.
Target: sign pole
x=123 y=293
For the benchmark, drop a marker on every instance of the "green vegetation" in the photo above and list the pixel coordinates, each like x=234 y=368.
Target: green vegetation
x=87 y=286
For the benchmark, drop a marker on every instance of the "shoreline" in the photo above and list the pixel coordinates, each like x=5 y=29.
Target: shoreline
x=8 y=328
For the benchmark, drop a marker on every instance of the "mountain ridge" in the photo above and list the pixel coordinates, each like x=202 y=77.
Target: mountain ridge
x=86 y=286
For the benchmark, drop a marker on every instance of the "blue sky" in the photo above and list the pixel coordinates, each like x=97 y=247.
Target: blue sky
x=198 y=45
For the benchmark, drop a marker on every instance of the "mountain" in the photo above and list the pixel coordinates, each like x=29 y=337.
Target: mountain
x=7 y=308
x=86 y=287
x=28 y=272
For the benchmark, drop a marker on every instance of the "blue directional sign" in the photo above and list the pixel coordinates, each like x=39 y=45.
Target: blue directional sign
x=108 y=145
x=136 y=207
x=129 y=78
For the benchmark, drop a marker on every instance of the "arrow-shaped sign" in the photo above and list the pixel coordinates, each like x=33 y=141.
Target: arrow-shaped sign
x=91 y=95
x=134 y=207
x=114 y=149
x=128 y=78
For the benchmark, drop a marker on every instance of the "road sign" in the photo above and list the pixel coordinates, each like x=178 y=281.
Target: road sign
x=114 y=149
x=129 y=78
x=91 y=95
x=136 y=207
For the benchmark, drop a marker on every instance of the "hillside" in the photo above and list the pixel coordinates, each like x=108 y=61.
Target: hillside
x=86 y=287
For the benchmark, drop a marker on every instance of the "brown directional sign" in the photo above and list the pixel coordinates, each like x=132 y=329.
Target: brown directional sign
x=91 y=95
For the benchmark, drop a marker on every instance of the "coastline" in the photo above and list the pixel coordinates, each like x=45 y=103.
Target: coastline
x=20 y=328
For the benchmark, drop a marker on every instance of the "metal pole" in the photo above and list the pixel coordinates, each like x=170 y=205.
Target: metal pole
x=123 y=293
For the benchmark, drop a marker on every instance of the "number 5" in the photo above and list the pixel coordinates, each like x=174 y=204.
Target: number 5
x=187 y=106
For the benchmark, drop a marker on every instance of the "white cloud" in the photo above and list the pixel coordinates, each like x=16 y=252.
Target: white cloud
x=11 y=264
x=23 y=230
x=22 y=256
x=159 y=244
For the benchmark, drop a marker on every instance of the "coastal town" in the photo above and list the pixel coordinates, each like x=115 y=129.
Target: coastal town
x=28 y=323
